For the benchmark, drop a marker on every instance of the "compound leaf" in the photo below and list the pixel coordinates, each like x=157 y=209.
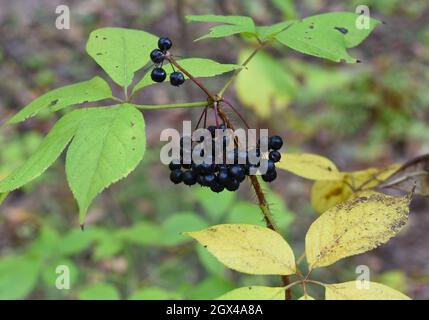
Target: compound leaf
x=355 y=226
x=310 y=166
x=328 y=35
x=350 y=291
x=91 y=90
x=248 y=248
x=121 y=52
x=50 y=149
x=274 y=88
x=109 y=144
x=254 y=293
x=197 y=67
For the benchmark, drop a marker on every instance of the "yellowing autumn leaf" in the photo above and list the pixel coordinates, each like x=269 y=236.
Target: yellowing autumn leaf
x=309 y=166
x=350 y=291
x=248 y=248
x=255 y=293
x=326 y=194
x=354 y=226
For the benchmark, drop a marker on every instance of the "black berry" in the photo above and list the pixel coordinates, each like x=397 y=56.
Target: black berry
x=174 y=165
x=189 y=178
x=275 y=143
x=209 y=179
x=176 y=176
x=269 y=176
x=177 y=78
x=216 y=187
x=275 y=156
x=223 y=178
x=156 y=56
x=164 y=43
x=233 y=185
x=158 y=75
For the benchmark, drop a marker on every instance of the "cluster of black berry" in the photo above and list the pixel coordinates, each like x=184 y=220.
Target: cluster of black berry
x=228 y=173
x=157 y=56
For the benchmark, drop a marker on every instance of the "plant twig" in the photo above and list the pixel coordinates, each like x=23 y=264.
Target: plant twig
x=197 y=104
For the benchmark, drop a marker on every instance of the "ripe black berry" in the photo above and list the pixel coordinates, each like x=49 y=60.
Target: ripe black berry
x=156 y=56
x=275 y=156
x=233 y=185
x=176 y=176
x=174 y=165
x=177 y=78
x=189 y=178
x=223 y=178
x=269 y=176
x=237 y=171
x=164 y=43
x=158 y=75
x=270 y=165
x=216 y=187
x=275 y=143
x=209 y=179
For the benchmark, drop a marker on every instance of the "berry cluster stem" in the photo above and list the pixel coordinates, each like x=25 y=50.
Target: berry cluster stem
x=216 y=101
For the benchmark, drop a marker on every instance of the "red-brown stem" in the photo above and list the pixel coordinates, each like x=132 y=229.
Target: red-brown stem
x=199 y=84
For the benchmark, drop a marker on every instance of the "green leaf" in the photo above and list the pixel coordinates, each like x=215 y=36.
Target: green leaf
x=99 y=291
x=214 y=204
x=197 y=67
x=254 y=293
x=109 y=145
x=274 y=89
x=210 y=288
x=121 y=52
x=46 y=154
x=174 y=226
x=18 y=277
x=3 y=196
x=141 y=233
x=268 y=32
x=327 y=35
x=49 y=274
x=210 y=263
x=87 y=91
x=74 y=242
x=234 y=25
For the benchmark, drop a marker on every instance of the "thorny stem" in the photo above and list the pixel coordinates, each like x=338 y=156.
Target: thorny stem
x=216 y=100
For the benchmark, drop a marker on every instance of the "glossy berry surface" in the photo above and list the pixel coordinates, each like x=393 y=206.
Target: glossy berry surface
x=177 y=78
x=275 y=156
x=164 y=43
x=189 y=178
x=158 y=75
x=275 y=143
x=174 y=165
x=269 y=176
x=157 y=56
x=176 y=176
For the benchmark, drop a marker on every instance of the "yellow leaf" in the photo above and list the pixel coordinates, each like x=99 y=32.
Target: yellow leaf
x=326 y=194
x=355 y=226
x=306 y=297
x=248 y=248
x=350 y=291
x=255 y=293
x=309 y=166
